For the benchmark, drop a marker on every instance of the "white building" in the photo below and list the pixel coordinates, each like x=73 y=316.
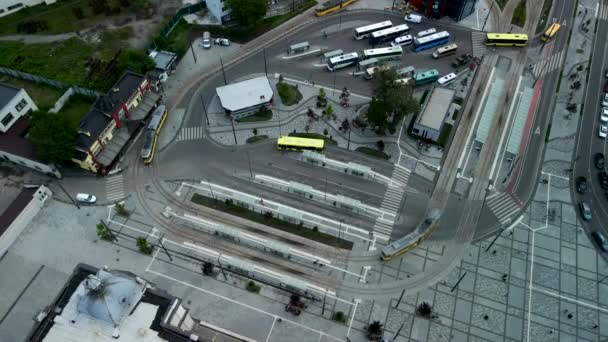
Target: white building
x=246 y=98
x=434 y=111
x=11 y=6
x=14 y=103
x=218 y=9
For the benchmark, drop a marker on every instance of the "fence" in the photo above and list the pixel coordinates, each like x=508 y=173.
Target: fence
x=166 y=30
x=39 y=79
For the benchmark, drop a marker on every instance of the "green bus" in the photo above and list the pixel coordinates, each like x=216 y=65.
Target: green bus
x=425 y=77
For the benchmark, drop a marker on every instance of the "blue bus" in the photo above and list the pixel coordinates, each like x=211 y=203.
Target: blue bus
x=430 y=41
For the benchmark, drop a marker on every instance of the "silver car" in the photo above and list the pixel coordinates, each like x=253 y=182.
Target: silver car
x=585 y=210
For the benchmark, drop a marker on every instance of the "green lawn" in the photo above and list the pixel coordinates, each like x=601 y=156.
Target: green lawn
x=77 y=106
x=290 y=95
x=372 y=152
x=519 y=15
x=259 y=116
x=67 y=61
x=44 y=96
x=328 y=140
x=542 y=22
x=285 y=226
x=254 y=139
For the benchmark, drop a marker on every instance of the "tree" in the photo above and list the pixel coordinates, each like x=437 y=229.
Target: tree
x=424 y=310
x=380 y=145
x=322 y=93
x=53 y=135
x=329 y=111
x=103 y=232
x=375 y=330
x=247 y=12
x=136 y=61
x=143 y=245
x=207 y=268
x=255 y=131
x=392 y=100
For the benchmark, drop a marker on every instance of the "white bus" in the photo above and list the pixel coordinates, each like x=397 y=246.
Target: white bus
x=365 y=31
x=388 y=34
x=369 y=72
x=445 y=50
x=403 y=40
x=430 y=41
x=391 y=52
x=426 y=32
x=447 y=79
x=342 y=61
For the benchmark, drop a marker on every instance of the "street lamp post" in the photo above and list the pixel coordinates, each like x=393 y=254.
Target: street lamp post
x=485 y=21
x=233 y=131
x=204 y=108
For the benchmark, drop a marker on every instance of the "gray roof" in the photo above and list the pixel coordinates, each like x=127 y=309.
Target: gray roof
x=436 y=108
x=7 y=93
x=163 y=59
x=245 y=94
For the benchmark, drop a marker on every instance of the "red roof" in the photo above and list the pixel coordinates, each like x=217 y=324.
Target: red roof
x=14 y=141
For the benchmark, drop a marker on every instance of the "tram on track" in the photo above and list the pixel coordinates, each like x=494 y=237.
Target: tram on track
x=151 y=134
x=332 y=6
x=413 y=239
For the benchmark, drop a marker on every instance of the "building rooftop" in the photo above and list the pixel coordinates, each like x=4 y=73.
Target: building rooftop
x=91 y=126
x=245 y=94
x=14 y=141
x=125 y=87
x=163 y=59
x=7 y=93
x=436 y=108
x=15 y=208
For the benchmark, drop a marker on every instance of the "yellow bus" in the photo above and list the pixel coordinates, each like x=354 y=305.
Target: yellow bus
x=506 y=39
x=551 y=32
x=332 y=6
x=300 y=144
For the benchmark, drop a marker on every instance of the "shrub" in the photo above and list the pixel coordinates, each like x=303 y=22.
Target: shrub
x=120 y=210
x=339 y=317
x=144 y=246
x=253 y=287
x=103 y=232
x=207 y=268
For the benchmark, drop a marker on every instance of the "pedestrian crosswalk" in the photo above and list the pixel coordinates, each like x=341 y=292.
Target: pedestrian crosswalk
x=392 y=199
x=478 y=42
x=504 y=205
x=602 y=12
x=115 y=188
x=190 y=133
x=547 y=65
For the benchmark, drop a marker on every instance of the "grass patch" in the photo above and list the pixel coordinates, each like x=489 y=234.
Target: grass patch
x=77 y=106
x=259 y=116
x=290 y=95
x=328 y=140
x=542 y=22
x=69 y=61
x=253 y=140
x=312 y=234
x=519 y=15
x=44 y=96
x=183 y=33
x=372 y=152
x=444 y=136
x=502 y=3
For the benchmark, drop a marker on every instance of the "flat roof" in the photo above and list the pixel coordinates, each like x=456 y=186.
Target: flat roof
x=436 y=108
x=245 y=94
x=163 y=59
x=15 y=208
x=7 y=93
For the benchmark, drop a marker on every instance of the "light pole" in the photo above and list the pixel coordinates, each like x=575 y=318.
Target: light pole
x=204 y=108
x=67 y=194
x=489 y=12
x=223 y=72
x=233 y=131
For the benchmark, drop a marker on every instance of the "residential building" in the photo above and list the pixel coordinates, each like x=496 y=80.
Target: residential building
x=11 y=6
x=246 y=98
x=15 y=109
x=219 y=10
x=24 y=207
x=433 y=113
x=106 y=129
x=114 y=305
x=455 y=9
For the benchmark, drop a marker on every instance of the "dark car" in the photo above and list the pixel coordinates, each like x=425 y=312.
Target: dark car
x=585 y=210
x=603 y=178
x=601 y=240
x=606 y=87
x=581 y=185
x=598 y=160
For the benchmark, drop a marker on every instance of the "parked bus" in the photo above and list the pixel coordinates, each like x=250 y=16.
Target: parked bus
x=300 y=144
x=430 y=41
x=408 y=71
x=447 y=79
x=342 y=61
x=365 y=31
x=388 y=34
x=368 y=63
x=506 y=39
x=386 y=53
x=426 y=32
x=551 y=32
x=151 y=134
x=425 y=77
x=332 y=6
x=369 y=72
x=445 y=50
x=403 y=40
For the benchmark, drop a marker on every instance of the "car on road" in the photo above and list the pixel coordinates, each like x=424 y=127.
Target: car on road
x=585 y=210
x=413 y=18
x=221 y=41
x=206 y=42
x=581 y=185
x=606 y=73
x=604 y=115
x=606 y=87
x=603 y=131
x=601 y=240
x=86 y=198
x=603 y=178
x=598 y=161
x=605 y=100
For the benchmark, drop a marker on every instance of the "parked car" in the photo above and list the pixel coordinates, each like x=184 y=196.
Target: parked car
x=413 y=18
x=585 y=210
x=606 y=73
x=221 y=41
x=601 y=240
x=581 y=185
x=604 y=115
x=206 y=43
x=462 y=60
x=603 y=178
x=598 y=161
x=603 y=131
x=606 y=87
x=86 y=198
x=605 y=100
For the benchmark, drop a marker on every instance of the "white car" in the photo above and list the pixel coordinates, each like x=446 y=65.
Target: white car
x=605 y=100
x=447 y=79
x=86 y=198
x=221 y=41
x=603 y=131
x=413 y=18
x=604 y=115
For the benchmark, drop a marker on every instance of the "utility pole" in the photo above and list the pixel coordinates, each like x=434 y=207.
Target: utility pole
x=67 y=194
x=458 y=282
x=249 y=161
x=325 y=198
x=496 y=238
x=348 y=141
x=233 y=131
x=279 y=119
x=223 y=71
x=265 y=65
x=489 y=12
x=193 y=54
x=204 y=108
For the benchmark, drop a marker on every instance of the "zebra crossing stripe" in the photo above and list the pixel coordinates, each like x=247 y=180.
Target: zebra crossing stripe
x=114 y=188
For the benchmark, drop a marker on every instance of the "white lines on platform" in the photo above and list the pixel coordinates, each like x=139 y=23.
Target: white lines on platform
x=601 y=11
x=530 y=288
x=554 y=175
x=302 y=54
x=504 y=206
x=191 y=133
x=577 y=301
x=115 y=188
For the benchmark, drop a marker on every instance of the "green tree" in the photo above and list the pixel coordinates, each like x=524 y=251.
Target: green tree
x=247 y=12
x=136 y=61
x=329 y=111
x=392 y=100
x=143 y=245
x=53 y=135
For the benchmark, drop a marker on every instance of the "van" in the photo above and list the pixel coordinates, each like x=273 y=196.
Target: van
x=403 y=40
x=413 y=18
x=447 y=79
x=206 y=40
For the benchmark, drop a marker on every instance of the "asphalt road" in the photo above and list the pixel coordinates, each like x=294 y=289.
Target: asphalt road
x=588 y=140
